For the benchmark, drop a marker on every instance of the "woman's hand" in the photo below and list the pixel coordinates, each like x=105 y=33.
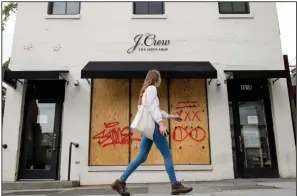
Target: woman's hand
x=162 y=128
x=177 y=118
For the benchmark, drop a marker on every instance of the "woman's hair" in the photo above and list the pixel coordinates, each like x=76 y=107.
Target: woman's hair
x=152 y=77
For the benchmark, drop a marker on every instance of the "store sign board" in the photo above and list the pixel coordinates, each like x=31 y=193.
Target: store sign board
x=148 y=43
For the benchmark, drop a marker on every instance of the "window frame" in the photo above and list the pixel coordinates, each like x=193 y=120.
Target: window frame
x=247 y=7
x=51 y=4
x=148 y=2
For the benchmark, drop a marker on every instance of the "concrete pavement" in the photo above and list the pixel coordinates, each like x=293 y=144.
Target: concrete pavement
x=238 y=187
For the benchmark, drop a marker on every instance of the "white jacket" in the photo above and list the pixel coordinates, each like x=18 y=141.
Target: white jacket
x=148 y=113
x=150 y=99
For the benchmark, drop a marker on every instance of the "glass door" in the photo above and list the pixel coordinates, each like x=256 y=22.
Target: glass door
x=253 y=144
x=40 y=141
x=254 y=136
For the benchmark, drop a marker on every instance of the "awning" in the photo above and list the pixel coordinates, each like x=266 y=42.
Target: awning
x=134 y=69
x=35 y=75
x=11 y=83
x=8 y=76
x=257 y=74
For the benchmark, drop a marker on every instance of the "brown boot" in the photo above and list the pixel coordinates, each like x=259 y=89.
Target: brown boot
x=120 y=187
x=178 y=188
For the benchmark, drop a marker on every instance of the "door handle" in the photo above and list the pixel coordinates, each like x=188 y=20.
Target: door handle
x=240 y=143
x=54 y=142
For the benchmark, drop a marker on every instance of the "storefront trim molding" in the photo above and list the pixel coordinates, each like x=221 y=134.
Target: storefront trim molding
x=151 y=168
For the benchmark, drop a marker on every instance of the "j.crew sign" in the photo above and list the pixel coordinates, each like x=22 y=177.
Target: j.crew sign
x=148 y=42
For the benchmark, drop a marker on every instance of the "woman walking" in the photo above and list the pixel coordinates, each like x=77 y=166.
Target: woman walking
x=148 y=95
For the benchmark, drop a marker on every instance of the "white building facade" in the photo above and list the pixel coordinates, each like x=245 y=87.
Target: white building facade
x=241 y=41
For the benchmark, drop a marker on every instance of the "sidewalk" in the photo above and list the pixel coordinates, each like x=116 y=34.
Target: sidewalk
x=238 y=187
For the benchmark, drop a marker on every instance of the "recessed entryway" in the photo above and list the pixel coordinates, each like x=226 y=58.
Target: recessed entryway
x=253 y=144
x=40 y=147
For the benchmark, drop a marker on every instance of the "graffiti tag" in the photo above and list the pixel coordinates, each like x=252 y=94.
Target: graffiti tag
x=188 y=110
x=188 y=115
x=114 y=135
x=181 y=133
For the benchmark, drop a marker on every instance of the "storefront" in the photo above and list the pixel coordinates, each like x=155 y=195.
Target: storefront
x=253 y=142
x=73 y=95
x=114 y=102
x=114 y=94
x=44 y=95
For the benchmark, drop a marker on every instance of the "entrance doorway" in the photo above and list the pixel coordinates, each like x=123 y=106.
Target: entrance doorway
x=253 y=143
x=40 y=147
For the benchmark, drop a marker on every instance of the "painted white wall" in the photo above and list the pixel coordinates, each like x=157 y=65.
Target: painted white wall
x=283 y=129
x=12 y=126
x=105 y=30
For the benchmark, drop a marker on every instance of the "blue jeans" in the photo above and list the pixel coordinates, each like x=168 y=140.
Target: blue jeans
x=145 y=147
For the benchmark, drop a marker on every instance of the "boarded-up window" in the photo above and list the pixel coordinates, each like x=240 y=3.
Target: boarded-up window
x=155 y=156
x=109 y=122
x=109 y=139
x=189 y=139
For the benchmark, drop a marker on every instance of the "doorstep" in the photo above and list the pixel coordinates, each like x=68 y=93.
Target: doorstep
x=27 y=185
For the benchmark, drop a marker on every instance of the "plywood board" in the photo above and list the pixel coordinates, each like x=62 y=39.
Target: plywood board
x=190 y=138
x=155 y=156
x=109 y=142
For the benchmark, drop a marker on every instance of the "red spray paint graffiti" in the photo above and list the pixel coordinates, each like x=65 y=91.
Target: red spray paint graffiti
x=189 y=115
x=186 y=104
x=181 y=133
x=196 y=116
x=113 y=135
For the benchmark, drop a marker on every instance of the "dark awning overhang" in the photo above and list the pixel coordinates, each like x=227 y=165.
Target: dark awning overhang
x=35 y=75
x=133 y=69
x=9 y=76
x=257 y=74
x=11 y=83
